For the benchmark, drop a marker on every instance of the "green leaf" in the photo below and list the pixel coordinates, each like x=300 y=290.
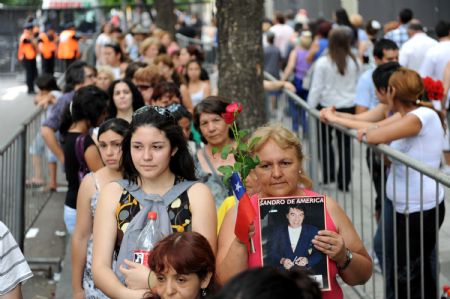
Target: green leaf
x=238 y=166
x=244 y=173
x=226 y=170
x=242 y=147
x=249 y=162
x=215 y=150
x=243 y=133
x=225 y=151
x=253 y=142
x=226 y=180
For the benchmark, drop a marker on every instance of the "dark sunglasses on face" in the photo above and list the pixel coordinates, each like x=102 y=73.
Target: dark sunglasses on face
x=143 y=87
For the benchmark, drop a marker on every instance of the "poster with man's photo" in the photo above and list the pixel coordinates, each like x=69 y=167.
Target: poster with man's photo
x=288 y=225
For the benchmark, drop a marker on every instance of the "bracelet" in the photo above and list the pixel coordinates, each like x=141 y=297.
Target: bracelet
x=349 y=257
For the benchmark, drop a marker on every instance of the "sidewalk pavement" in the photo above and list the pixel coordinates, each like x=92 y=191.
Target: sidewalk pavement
x=45 y=251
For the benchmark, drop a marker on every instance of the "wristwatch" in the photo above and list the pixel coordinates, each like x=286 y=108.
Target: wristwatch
x=349 y=256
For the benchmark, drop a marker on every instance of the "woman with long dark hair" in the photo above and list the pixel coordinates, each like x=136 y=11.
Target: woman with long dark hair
x=86 y=111
x=159 y=176
x=334 y=83
x=197 y=88
x=110 y=136
x=124 y=99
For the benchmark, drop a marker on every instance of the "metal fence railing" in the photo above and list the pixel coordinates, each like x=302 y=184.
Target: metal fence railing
x=360 y=199
x=21 y=200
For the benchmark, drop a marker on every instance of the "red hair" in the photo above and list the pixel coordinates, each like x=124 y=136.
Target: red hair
x=186 y=252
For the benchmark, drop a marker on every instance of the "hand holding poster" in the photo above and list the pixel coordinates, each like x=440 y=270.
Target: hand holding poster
x=288 y=225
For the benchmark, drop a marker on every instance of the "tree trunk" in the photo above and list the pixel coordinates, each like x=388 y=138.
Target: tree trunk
x=165 y=16
x=241 y=57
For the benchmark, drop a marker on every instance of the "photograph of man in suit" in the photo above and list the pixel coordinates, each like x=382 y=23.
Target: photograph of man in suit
x=291 y=244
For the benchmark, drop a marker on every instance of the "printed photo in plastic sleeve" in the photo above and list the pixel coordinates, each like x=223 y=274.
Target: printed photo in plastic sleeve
x=288 y=225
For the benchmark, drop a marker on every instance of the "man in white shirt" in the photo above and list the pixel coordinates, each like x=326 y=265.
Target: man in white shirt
x=282 y=33
x=438 y=56
x=413 y=51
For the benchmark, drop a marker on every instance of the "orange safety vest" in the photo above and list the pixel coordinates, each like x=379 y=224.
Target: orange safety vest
x=47 y=47
x=68 y=45
x=26 y=50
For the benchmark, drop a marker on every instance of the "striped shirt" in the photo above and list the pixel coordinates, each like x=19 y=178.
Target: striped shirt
x=13 y=266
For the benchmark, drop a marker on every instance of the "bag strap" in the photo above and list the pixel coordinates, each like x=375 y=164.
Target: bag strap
x=167 y=198
x=79 y=149
x=211 y=167
x=176 y=191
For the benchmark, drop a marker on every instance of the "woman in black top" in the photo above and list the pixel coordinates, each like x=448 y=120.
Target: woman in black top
x=87 y=110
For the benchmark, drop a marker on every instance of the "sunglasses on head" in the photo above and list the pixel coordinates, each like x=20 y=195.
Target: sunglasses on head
x=161 y=111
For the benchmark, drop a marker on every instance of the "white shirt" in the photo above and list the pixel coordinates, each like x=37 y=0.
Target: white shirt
x=13 y=266
x=329 y=87
x=435 y=61
x=283 y=34
x=103 y=39
x=413 y=51
x=294 y=236
x=426 y=147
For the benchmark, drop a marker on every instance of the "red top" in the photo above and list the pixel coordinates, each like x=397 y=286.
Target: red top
x=254 y=259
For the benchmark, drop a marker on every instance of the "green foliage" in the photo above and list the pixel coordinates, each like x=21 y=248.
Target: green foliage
x=37 y=3
x=244 y=160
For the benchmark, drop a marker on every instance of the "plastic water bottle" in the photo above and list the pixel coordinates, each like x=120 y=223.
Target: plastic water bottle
x=147 y=240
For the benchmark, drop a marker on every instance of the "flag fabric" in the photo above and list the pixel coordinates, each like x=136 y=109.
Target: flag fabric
x=246 y=213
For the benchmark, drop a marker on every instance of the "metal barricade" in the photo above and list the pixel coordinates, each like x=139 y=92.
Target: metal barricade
x=22 y=157
x=322 y=146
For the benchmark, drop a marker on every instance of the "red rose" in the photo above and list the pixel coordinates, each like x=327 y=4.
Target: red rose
x=434 y=89
x=228 y=117
x=235 y=107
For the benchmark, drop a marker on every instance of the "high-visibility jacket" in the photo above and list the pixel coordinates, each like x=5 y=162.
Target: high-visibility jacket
x=26 y=50
x=68 y=45
x=47 y=45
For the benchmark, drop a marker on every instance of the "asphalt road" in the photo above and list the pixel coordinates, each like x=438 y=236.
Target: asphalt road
x=16 y=106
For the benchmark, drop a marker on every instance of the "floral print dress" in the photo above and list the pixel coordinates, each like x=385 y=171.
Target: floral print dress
x=90 y=291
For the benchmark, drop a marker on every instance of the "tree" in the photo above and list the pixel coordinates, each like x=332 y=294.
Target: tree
x=165 y=16
x=241 y=57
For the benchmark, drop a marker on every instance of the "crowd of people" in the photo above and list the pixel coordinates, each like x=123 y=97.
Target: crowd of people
x=139 y=132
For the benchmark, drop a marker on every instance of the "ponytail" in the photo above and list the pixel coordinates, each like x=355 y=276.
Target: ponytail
x=428 y=104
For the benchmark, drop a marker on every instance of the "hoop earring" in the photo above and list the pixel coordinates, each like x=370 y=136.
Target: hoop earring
x=203 y=292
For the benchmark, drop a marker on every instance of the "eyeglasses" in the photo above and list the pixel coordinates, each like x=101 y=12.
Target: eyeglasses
x=143 y=87
x=161 y=111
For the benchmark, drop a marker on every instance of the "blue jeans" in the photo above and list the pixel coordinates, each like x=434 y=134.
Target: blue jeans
x=295 y=110
x=387 y=217
x=70 y=217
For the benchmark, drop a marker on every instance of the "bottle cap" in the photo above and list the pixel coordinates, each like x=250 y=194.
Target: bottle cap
x=152 y=215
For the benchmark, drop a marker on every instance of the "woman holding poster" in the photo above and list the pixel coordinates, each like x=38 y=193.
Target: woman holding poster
x=280 y=174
